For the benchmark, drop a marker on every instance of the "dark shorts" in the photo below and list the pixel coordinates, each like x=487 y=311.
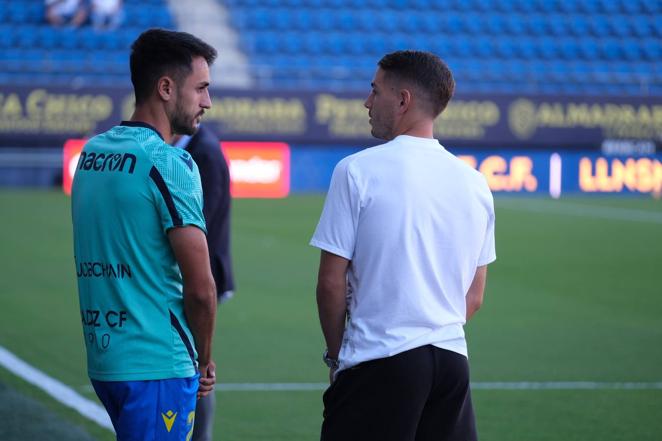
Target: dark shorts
x=421 y=394
x=150 y=410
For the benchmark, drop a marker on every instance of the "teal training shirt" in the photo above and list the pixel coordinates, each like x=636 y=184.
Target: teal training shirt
x=129 y=189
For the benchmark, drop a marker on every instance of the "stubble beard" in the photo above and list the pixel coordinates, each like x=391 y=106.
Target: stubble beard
x=381 y=129
x=181 y=123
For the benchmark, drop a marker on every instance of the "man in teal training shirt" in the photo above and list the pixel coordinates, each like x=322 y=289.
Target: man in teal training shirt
x=147 y=296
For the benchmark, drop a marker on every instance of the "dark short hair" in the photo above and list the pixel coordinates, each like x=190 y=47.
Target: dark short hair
x=425 y=71
x=158 y=52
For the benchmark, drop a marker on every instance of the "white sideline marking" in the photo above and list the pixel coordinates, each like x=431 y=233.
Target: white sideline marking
x=56 y=389
x=582 y=210
x=567 y=385
x=495 y=385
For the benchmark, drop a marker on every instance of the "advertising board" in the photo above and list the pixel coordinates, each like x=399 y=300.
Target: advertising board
x=43 y=115
x=257 y=169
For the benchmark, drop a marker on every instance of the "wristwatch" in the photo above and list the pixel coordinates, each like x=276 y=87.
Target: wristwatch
x=333 y=363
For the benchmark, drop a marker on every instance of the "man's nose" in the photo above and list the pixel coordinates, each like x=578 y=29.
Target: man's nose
x=206 y=101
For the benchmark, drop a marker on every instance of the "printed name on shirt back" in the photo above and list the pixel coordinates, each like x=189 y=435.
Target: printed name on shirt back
x=96 y=318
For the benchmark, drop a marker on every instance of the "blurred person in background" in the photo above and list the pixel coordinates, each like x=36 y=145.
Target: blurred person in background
x=147 y=295
x=406 y=233
x=72 y=13
x=204 y=147
x=106 y=15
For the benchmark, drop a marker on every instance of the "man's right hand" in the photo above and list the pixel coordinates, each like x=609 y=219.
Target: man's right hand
x=207 y=379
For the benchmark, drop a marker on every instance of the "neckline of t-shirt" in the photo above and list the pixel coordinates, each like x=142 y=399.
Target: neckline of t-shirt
x=427 y=142
x=141 y=124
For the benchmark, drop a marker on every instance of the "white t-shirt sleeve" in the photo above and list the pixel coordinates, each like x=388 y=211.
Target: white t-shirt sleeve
x=336 y=230
x=488 y=252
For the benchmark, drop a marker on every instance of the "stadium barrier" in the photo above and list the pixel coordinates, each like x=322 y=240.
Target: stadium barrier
x=271 y=170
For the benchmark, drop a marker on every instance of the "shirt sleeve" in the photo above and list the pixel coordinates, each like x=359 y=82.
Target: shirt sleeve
x=179 y=196
x=488 y=252
x=336 y=230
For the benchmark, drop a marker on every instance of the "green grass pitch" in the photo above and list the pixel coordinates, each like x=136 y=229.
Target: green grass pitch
x=575 y=295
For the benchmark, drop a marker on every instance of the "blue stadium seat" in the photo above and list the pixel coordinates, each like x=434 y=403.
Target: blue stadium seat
x=495 y=24
x=610 y=6
x=346 y=20
x=323 y=20
x=533 y=25
x=27 y=37
x=516 y=24
x=631 y=50
x=620 y=26
x=281 y=19
x=588 y=48
x=652 y=49
x=544 y=7
x=610 y=49
x=290 y=43
x=548 y=49
x=312 y=43
x=430 y=24
x=641 y=26
x=19 y=12
x=484 y=47
x=473 y=23
x=578 y=25
x=599 y=26
x=334 y=44
x=266 y=42
x=505 y=48
x=525 y=49
x=632 y=7
x=651 y=6
x=559 y=25
x=47 y=37
x=456 y=23
x=7 y=36
x=301 y=19
x=569 y=49
x=387 y=21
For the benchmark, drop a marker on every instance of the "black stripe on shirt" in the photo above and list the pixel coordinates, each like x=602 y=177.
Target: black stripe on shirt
x=167 y=197
x=174 y=322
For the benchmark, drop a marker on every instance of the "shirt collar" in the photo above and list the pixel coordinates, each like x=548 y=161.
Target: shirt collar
x=141 y=124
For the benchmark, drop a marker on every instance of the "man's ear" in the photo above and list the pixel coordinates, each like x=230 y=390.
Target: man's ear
x=165 y=87
x=405 y=100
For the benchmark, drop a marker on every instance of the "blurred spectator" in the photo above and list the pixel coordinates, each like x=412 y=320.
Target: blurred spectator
x=106 y=14
x=66 y=12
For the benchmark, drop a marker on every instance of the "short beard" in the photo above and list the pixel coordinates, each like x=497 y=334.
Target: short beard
x=179 y=123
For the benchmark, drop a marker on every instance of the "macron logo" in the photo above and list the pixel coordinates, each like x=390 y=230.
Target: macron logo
x=169 y=419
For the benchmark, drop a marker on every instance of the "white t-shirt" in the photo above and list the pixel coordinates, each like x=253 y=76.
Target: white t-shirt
x=66 y=7
x=105 y=6
x=415 y=222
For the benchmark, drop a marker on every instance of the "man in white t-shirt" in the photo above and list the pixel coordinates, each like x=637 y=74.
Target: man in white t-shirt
x=66 y=12
x=406 y=234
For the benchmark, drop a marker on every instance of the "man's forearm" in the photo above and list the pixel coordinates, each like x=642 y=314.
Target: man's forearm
x=474 y=297
x=200 y=312
x=331 y=299
x=332 y=308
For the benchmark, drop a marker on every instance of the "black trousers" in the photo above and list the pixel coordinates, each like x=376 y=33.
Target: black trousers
x=418 y=395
